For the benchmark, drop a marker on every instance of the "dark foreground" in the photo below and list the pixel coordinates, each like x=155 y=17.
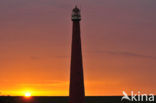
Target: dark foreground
x=105 y=99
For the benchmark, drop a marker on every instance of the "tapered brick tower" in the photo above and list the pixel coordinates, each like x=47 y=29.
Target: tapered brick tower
x=77 y=93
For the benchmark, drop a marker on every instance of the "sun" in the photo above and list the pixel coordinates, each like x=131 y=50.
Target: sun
x=27 y=94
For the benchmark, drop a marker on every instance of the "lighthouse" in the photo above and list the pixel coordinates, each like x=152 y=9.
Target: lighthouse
x=76 y=91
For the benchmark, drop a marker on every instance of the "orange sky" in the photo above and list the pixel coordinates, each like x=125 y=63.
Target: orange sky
x=118 y=41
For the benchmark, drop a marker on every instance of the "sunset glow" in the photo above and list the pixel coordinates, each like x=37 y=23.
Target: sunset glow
x=118 y=47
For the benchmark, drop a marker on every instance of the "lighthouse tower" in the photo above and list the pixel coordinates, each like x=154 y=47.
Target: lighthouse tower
x=76 y=93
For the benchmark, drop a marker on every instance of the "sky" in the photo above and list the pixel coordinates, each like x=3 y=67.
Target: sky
x=118 y=43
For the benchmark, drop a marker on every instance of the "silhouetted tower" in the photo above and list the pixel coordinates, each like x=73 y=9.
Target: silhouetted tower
x=77 y=93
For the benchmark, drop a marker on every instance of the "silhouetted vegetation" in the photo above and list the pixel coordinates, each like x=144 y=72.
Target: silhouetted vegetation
x=97 y=99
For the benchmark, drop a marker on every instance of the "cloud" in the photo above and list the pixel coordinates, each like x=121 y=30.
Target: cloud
x=34 y=57
x=125 y=53
x=62 y=57
x=50 y=57
x=47 y=84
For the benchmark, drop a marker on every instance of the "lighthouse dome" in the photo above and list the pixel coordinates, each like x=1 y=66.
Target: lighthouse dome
x=76 y=16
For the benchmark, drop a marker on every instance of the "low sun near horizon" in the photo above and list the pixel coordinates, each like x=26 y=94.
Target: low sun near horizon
x=118 y=45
